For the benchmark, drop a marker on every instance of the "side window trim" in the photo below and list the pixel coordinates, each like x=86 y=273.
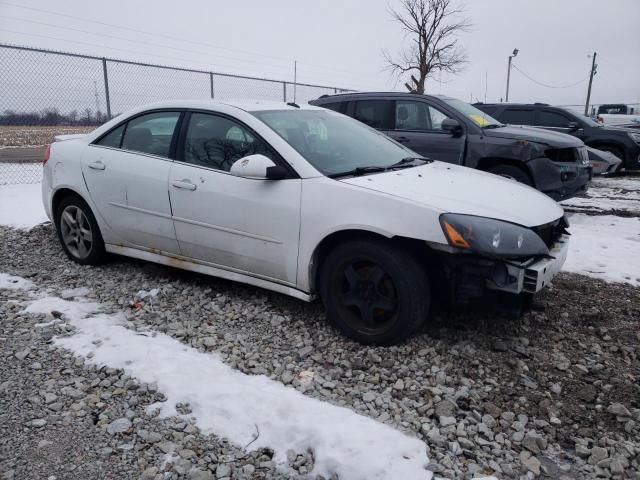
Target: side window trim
x=181 y=142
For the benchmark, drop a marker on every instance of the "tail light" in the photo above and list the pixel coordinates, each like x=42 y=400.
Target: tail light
x=47 y=154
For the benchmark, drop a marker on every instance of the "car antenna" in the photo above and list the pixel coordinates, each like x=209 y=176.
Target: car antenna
x=293 y=104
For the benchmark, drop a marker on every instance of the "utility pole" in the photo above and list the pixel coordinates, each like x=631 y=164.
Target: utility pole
x=594 y=67
x=295 y=79
x=515 y=52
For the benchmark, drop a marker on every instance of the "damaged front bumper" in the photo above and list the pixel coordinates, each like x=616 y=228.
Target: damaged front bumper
x=469 y=276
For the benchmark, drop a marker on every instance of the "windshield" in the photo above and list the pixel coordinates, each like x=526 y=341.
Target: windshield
x=333 y=143
x=582 y=118
x=479 y=117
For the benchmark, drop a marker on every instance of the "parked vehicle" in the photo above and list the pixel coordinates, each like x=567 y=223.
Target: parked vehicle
x=302 y=201
x=623 y=143
x=450 y=130
x=603 y=162
x=616 y=109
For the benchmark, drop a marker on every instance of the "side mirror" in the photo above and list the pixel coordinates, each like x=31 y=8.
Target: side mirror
x=258 y=167
x=451 y=125
x=573 y=126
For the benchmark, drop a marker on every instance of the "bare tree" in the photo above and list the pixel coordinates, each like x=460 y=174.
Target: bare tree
x=433 y=27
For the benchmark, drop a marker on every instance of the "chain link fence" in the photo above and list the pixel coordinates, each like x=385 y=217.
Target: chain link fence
x=44 y=93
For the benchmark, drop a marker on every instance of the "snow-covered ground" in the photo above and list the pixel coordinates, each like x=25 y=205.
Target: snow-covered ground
x=605 y=246
x=606 y=195
x=249 y=410
x=21 y=205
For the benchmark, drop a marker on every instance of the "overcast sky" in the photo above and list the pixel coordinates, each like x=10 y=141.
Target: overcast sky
x=340 y=42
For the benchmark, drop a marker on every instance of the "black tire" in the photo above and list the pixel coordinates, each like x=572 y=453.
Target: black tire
x=373 y=292
x=84 y=252
x=514 y=173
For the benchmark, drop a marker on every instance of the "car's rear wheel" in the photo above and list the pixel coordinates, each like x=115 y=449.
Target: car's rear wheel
x=373 y=292
x=78 y=232
x=513 y=173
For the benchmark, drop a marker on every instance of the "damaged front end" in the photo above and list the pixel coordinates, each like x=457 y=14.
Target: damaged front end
x=471 y=266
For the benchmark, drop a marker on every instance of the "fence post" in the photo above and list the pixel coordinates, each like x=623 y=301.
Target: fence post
x=211 y=82
x=284 y=91
x=106 y=87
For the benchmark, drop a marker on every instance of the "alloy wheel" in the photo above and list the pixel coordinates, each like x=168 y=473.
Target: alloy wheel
x=76 y=231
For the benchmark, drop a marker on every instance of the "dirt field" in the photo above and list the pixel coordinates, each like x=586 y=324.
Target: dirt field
x=32 y=136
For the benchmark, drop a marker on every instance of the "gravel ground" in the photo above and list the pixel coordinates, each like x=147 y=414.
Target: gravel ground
x=555 y=393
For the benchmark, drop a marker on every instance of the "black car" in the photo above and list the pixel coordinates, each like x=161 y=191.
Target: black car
x=450 y=130
x=624 y=143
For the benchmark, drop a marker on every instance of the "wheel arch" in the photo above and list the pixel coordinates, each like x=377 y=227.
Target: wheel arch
x=486 y=163
x=62 y=193
x=333 y=239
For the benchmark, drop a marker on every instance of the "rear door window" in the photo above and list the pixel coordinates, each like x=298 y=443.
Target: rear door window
x=151 y=133
x=548 y=118
x=339 y=107
x=374 y=113
x=517 y=116
x=112 y=139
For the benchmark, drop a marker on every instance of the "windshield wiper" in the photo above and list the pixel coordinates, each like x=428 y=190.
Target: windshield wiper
x=409 y=162
x=492 y=125
x=358 y=171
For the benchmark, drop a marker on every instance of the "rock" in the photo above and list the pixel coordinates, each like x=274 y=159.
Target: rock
x=587 y=393
x=530 y=442
x=582 y=451
x=304 y=352
x=619 y=410
x=446 y=421
x=492 y=409
x=548 y=467
x=167 y=447
x=44 y=443
x=446 y=408
x=149 y=474
x=197 y=474
x=120 y=425
x=149 y=437
x=368 y=397
x=499 y=346
x=533 y=465
x=248 y=469
x=37 y=423
x=223 y=470
x=399 y=385
x=597 y=454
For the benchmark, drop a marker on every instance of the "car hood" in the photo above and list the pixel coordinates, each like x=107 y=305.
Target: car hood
x=454 y=189
x=538 y=135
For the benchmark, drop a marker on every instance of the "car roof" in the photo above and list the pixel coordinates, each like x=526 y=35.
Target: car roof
x=247 y=105
x=381 y=94
x=536 y=104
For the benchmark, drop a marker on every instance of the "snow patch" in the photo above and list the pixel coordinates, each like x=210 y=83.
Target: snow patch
x=12 y=282
x=605 y=247
x=237 y=406
x=21 y=206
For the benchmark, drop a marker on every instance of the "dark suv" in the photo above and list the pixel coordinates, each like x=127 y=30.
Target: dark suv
x=450 y=130
x=623 y=143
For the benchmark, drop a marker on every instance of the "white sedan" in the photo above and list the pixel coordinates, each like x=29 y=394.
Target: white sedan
x=303 y=201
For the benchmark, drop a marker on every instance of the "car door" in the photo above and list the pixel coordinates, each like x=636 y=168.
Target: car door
x=127 y=174
x=418 y=126
x=240 y=224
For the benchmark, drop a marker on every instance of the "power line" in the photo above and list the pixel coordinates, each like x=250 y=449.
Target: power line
x=547 y=85
x=209 y=45
x=207 y=66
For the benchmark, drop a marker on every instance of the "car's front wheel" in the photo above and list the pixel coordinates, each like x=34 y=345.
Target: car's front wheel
x=375 y=293
x=78 y=232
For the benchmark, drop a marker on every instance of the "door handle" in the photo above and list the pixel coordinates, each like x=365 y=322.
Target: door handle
x=184 y=184
x=97 y=165
x=403 y=139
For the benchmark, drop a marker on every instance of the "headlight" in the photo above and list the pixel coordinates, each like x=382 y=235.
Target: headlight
x=635 y=137
x=491 y=237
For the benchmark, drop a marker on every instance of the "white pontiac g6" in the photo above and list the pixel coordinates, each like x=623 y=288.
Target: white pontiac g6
x=303 y=201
